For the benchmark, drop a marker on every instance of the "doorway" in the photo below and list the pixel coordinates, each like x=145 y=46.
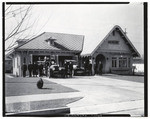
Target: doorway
x=100 y=58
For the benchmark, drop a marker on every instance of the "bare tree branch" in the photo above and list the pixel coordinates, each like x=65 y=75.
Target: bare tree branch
x=16 y=29
x=7 y=8
x=16 y=10
x=22 y=26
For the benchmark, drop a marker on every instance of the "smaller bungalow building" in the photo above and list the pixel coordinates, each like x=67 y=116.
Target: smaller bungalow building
x=49 y=46
x=113 y=49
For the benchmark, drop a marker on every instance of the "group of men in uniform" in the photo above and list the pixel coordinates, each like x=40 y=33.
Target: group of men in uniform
x=88 y=68
x=68 y=69
x=37 y=69
x=34 y=69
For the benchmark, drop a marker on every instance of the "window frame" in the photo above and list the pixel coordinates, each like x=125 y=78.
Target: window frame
x=122 y=62
x=113 y=42
x=114 y=62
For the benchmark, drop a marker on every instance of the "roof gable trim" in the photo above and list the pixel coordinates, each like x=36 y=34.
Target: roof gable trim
x=119 y=28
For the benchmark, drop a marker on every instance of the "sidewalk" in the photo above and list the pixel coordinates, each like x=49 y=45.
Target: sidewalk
x=40 y=97
x=40 y=102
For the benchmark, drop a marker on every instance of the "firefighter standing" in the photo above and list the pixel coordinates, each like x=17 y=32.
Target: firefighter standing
x=70 y=68
x=30 y=68
x=24 y=69
x=40 y=69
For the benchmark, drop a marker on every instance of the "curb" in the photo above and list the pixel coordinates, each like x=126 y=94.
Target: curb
x=44 y=112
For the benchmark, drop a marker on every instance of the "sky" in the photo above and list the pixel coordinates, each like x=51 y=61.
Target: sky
x=88 y=20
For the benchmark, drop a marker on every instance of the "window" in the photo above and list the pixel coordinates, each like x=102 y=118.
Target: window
x=122 y=62
x=114 y=62
x=52 y=42
x=113 y=42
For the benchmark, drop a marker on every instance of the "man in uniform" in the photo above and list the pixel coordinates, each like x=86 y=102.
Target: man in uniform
x=100 y=67
x=30 y=68
x=35 y=68
x=40 y=69
x=46 y=68
x=70 y=68
x=24 y=69
x=66 y=68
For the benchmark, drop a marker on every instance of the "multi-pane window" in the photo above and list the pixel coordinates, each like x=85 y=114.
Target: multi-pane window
x=113 y=42
x=114 y=61
x=122 y=62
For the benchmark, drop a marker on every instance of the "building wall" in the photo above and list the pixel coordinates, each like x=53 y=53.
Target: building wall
x=107 y=66
x=8 y=66
x=16 y=64
x=121 y=46
x=118 y=49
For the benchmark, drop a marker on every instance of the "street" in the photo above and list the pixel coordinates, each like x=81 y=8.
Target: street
x=85 y=94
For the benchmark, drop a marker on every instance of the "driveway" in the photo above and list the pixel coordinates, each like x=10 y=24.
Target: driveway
x=105 y=95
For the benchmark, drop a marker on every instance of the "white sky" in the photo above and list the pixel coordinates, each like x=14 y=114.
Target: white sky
x=88 y=19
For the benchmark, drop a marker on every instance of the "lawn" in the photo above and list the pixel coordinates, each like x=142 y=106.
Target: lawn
x=27 y=86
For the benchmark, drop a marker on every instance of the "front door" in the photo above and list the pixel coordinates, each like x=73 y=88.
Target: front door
x=100 y=64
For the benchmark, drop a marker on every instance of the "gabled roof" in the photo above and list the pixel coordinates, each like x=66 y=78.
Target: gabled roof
x=64 y=41
x=22 y=40
x=91 y=45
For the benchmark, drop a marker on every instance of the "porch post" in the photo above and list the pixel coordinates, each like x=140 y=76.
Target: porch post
x=57 y=60
x=31 y=58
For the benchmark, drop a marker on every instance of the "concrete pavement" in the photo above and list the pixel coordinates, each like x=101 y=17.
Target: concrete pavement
x=105 y=95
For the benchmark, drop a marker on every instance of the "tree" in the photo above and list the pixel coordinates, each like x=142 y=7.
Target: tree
x=18 y=24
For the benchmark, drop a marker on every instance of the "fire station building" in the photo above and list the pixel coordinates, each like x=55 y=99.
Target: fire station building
x=52 y=46
x=112 y=48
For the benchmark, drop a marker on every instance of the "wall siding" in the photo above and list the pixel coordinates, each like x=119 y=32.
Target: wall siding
x=114 y=50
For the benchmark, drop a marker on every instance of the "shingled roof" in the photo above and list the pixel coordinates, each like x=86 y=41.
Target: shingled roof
x=92 y=42
x=63 y=42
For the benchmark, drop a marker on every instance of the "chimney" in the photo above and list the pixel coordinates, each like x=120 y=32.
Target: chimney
x=125 y=31
x=50 y=41
x=21 y=41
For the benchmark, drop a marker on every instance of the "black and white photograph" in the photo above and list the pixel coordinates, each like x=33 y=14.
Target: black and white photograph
x=63 y=59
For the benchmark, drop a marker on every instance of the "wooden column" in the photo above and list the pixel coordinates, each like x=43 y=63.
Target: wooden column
x=57 y=60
